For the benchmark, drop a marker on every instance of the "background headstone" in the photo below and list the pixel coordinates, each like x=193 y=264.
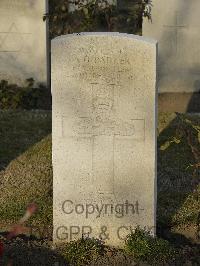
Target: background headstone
x=23 y=41
x=103 y=89
x=176 y=26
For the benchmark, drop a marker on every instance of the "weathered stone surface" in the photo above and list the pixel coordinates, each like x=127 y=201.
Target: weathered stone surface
x=103 y=88
x=22 y=40
x=176 y=26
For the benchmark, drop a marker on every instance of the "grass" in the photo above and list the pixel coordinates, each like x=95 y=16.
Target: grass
x=22 y=184
x=178 y=178
x=20 y=130
x=25 y=159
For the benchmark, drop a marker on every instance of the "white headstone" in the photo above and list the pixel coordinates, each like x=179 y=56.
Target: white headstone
x=22 y=41
x=103 y=88
x=176 y=26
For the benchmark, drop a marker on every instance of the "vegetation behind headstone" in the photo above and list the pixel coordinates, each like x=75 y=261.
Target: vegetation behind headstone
x=96 y=16
x=29 y=96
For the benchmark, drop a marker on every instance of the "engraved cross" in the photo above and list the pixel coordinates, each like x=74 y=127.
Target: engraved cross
x=103 y=129
x=176 y=27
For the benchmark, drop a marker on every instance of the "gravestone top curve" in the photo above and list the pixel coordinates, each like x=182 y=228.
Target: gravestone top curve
x=107 y=34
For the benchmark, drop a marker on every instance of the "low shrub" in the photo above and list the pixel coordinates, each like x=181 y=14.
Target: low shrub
x=154 y=251
x=83 y=251
x=26 y=97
